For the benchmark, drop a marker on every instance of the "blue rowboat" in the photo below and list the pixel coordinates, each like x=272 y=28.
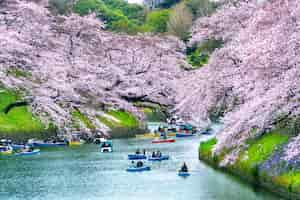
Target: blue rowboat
x=17 y=146
x=34 y=152
x=165 y=157
x=136 y=157
x=184 y=134
x=45 y=144
x=183 y=174
x=138 y=169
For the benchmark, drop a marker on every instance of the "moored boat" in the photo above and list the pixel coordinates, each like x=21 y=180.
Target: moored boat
x=41 y=144
x=46 y=144
x=163 y=141
x=106 y=146
x=28 y=153
x=18 y=146
x=136 y=157
x=6 y=150
x=75 y=140
x=184 y=134
x=138 y=169
x=147 y=136
x=183 y=174
x=163 y=157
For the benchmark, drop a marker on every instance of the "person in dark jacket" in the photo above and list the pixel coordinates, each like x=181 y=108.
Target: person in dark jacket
x=184 y=168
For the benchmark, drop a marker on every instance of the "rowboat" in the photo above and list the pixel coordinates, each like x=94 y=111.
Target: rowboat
x=165 y=157
x=28 y=153
x=163 y=141
x=136 y=157
x=183 y=174
x=184 y=134
x=138 y=169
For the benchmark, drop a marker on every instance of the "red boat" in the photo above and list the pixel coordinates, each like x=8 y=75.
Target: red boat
x=163 y=141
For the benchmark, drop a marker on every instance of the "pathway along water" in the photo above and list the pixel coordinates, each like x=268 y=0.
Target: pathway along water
x=84 y=173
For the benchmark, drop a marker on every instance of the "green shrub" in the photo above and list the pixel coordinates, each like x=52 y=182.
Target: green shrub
x=118 y=15
x=288 y=125
x=157 y=20
x=205 y=149
x=198 y=56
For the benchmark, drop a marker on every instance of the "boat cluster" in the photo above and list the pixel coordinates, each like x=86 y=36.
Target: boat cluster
x=32 y=146
x=138 y=164
x=175 y=127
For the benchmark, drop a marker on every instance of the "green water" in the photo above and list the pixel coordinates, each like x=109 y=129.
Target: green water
x=85 y=173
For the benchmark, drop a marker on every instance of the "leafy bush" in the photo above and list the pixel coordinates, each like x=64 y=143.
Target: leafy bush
x=157 y=20
x=198 y=56
x=205 y=148
x=201 y=8
x=118 y=15
x=288 y=125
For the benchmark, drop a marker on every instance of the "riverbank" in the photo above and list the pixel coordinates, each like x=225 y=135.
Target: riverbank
x=254 y=164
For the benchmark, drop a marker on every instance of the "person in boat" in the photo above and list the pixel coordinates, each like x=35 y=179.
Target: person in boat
x=184 y=168
x=28 y=149
x=139 y=164
x=137 y=151
x=160 y=129
x=153 y=154
x=133 y=164
x=164 y=135
x=158 y=154
x=144 y=151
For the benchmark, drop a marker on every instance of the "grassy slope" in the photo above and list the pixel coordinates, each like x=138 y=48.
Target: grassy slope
x=205 y=150
x=19 y=120
x=259 y=151
x=125 y=119
x=128 y=125
x=78 y=116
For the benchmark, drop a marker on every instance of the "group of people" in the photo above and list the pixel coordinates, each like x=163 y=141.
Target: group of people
x=139 y=152
x=156 y=154
x=27 y=149
x=138 y=164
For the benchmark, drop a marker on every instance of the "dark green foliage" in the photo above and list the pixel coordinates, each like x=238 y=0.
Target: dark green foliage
x=121 y=16
x=61 y=7
x=201 y=8
x=118 y=15
x=168 y=3
x=288 y=125
x=198 y=56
